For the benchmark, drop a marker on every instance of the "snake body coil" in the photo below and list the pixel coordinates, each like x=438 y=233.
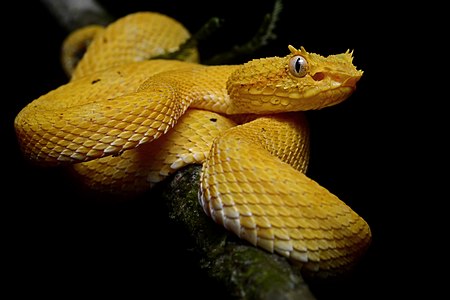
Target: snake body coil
x=126 y=122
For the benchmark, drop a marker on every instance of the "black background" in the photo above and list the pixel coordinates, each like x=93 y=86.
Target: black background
x=60 y=241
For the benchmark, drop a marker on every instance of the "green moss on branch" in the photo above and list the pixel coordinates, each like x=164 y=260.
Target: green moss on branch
x=244 y=271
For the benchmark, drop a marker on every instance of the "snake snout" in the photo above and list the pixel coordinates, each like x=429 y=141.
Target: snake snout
x=339 y=80
x=351 y=81
x=348 y=81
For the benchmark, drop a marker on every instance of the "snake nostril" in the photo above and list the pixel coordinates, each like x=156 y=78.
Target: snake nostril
x=318 y=76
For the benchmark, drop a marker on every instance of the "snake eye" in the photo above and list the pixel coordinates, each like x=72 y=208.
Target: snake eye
x=298 y=66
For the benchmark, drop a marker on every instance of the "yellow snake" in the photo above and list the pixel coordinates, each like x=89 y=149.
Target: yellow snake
x=126 y=122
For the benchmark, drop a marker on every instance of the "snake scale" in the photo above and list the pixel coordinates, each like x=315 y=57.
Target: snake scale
x=124 y=122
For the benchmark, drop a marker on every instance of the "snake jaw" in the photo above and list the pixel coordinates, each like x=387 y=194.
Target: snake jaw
x=336 y=87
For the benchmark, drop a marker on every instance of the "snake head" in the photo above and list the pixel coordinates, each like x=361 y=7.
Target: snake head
x=297 y=82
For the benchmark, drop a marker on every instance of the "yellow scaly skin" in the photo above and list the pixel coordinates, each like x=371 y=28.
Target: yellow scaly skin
x=126 y=122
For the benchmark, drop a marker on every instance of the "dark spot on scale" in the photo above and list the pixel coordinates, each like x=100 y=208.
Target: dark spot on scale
x=213 y=120
x=95 y=81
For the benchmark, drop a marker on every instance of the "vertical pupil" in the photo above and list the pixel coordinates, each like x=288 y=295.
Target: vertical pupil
x=297 y=65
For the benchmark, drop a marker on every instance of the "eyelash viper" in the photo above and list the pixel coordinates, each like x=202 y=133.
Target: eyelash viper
x=126 y=122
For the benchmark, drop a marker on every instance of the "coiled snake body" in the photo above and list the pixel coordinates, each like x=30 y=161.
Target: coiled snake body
x=126 y=122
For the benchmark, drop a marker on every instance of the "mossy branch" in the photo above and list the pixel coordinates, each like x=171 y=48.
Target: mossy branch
x=244 y=271
x=263 y=36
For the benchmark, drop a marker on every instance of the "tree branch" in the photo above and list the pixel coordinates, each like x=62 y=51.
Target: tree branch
x=245 y=272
